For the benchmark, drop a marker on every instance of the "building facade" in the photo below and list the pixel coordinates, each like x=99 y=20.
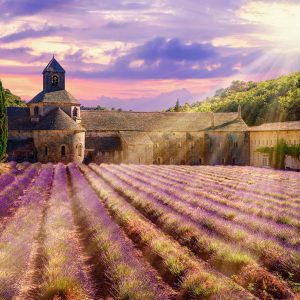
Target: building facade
x=52 y=128
x=268 y=135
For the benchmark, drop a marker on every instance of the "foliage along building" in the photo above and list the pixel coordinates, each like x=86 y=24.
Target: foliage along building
x=267 y=136
x=52 y=128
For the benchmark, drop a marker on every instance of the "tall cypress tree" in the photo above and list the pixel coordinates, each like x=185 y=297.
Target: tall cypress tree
x=177 y=106
x=3 y=124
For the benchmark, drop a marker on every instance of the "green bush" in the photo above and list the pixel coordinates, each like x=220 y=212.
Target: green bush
x=3 y=124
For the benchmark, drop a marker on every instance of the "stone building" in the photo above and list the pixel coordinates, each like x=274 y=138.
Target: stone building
x=52 y=128
x=267 y=135
x=49 y=129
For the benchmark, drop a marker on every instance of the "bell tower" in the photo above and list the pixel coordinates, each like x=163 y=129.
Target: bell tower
x=53 y=77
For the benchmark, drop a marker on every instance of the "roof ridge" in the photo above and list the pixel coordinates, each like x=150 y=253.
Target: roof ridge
x=56 y=66
x=57 y=119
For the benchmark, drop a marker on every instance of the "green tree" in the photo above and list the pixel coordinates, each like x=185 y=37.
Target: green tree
x=3 y=124
x=275 y=100
x=177 y=106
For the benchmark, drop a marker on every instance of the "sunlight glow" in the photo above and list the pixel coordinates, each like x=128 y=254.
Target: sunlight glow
x=278 y=23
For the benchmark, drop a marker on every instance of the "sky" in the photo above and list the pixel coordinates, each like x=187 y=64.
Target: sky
x=144 y=55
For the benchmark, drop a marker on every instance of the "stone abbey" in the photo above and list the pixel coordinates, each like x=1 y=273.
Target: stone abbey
x=53 y=128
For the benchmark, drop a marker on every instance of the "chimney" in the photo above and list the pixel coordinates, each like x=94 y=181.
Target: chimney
x=239 y=112
x=212 y=120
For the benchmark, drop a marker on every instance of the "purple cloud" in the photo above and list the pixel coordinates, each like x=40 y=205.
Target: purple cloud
x=14 y=8
x=30 y=33
x=170 y=59
x=173 y=50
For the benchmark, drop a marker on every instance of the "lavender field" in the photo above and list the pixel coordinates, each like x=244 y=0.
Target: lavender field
x=148 y=232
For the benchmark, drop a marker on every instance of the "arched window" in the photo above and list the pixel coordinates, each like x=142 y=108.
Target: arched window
x=45 y=150
x=36 y=110
x=79 y=150
x=55 y=81
x=75 y=112
x=63 y=150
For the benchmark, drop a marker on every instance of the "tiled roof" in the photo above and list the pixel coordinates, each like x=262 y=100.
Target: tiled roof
x=18 y=118
x=135 y=138
x=294 y=125
x=162 y=122
x=54 y=97
x=103 y=142
x=57 y=119
x=234 y=125
x=54 y=66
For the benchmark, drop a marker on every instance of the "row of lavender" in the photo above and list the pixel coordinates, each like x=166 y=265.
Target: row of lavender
x=146 y=232
x=233 y=241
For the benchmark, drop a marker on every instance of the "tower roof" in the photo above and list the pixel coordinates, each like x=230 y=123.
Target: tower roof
x=57 y=119
x=54 y=97
x=54 y=66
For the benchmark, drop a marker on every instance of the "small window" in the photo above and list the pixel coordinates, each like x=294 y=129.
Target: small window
x=140 y=160
x=156 y=145
x=265 y=161
x=46 y=150
x=36 y=111
x=75 y=112
x=79 y=150
x=233 y=161
x=55 y=81
x=179 y=145
x=171 y=160
x=200 y=161
x=159 y=160
x=63 y=150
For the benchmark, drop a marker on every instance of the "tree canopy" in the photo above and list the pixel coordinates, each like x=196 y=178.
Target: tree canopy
x=13 y=100
x=274 y=100
x=3 y=124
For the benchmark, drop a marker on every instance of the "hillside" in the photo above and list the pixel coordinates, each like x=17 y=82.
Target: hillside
x=268 y=101
x=13 y=100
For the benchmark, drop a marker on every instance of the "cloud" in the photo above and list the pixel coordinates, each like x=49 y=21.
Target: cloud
x=163 y=58
x=173 y=50
x=30 y=33
x=14 y=8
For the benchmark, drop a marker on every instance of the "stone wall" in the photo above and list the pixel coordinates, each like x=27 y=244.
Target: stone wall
x=46 y=108
x=259 y=139
x=47 y=81
x=227 y=148
x=19 y=134
x=169 y=148
x=137 y=154
x=49 y=146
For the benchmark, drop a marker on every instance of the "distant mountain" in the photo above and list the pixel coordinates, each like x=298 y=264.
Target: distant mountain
x=13 y=100
x=269 y=101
